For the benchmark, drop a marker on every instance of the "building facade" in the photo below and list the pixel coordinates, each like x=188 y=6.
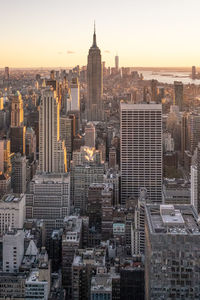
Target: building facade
x=141 y=150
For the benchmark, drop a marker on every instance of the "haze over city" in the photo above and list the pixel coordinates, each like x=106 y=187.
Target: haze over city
x=58 y=33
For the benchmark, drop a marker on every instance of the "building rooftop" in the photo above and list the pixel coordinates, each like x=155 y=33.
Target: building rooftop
x=12 y=198
x=46 y=178
x=172 y=219
x=95 y=257
x=34 y=278
x=72 y=228
x=101 y=283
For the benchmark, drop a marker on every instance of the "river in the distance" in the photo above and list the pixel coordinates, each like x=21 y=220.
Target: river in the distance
x=169 y=77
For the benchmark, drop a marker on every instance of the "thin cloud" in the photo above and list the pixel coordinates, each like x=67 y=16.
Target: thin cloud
x=59 y=53
x=70 y=52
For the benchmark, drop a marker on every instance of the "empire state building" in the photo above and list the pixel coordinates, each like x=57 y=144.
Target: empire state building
x=94 y=83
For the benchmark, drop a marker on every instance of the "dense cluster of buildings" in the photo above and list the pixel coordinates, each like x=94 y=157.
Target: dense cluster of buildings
x=99 y=187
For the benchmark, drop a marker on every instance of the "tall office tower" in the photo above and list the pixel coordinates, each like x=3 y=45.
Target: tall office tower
x=30 y=143
x=178 y=94
x=117 y=63
x=18 y=139
x=184 y=135
x=18 y=177
x=172 y=252
x=1 y=103
x=6 y=73
x=198 y=178
x=90 y=135
x=13 y=250
x=67 y=134
x=48 y=198
x=112 y=158
x=154 y=93
x=141 y=150
x=94 y=83
x=193 y=131
x=2 y=156
x=52 y=151
x=193 y=72
x=12 y=211
x=17 y=129
x=194 y=185
x=75 y=94
x=17 y=111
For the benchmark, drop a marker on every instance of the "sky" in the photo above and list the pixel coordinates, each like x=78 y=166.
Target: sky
x=58 y=33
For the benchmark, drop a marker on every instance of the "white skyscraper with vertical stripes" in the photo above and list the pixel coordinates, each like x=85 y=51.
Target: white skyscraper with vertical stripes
x=141 y=150
x=52 y=151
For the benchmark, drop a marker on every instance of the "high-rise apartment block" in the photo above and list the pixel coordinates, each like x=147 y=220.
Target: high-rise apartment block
x=52 y=151
x=94 y=83
x=172 y=252
x=141 y=150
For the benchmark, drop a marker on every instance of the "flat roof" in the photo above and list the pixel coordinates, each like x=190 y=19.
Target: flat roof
x=12 y=198
x=172 y=219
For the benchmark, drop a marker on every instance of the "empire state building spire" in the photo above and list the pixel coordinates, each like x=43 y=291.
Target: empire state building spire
x=94 y=37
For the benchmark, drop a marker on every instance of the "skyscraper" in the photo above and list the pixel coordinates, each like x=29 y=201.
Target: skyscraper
x=18 y=177
x=154 y=93
x=172 y=252
x=52 y=151
x=178 y=94
x=193 y=131
x=95 y=83
x=17 y=129
x=141 y=150
x=17 y=112
x=193 y=72
x=117 y=62
x=75 y=94
x=6 y=73
x=90 y=135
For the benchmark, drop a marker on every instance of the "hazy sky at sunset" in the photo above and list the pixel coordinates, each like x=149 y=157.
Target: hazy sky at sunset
x=58 y=33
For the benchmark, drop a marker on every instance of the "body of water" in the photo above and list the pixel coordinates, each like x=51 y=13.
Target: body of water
x=170 y=77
